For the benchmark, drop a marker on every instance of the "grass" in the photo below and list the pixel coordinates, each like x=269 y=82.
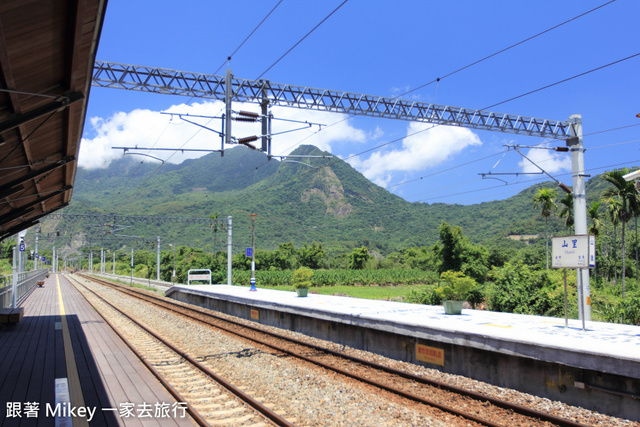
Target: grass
x=396 y=293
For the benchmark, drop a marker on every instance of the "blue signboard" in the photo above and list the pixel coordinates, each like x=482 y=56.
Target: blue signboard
x=22 y=247
x=249 y=252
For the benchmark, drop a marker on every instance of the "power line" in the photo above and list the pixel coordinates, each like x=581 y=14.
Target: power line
x=468 y=66
x=506 y=48
x=503 y=102
x=302 y=39
x=248 y=37
x=563 y=81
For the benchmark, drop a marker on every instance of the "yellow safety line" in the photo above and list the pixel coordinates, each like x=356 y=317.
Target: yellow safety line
x=62 y=312
x=75 y=389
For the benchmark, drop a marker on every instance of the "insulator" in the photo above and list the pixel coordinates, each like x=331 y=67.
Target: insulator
x=562 y=149
x=565 y=188
x=249 y=114
x=247 y=139
x=245 y=119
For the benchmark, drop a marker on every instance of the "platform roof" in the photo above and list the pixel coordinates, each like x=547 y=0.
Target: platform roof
x=47 y=52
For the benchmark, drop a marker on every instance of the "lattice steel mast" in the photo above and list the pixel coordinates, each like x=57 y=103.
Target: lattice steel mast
x=171 y=82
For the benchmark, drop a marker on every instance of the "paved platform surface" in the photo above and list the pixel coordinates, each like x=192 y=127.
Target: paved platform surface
x=604 y=347
x=63 y=353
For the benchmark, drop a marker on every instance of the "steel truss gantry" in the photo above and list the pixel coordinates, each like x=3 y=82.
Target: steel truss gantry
x=229 y=89
x=171 y=82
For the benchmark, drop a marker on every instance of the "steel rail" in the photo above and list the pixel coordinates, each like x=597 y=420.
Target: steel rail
x=258 y=406
x=172 y=391
x=522 y=410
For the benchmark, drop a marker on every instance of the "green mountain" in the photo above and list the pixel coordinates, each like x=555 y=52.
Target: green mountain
x=299 y=200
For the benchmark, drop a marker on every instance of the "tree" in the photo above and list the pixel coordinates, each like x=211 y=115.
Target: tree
x=627 y=207
x=312 y=256
x=451 y=248
x=545 y=200
x=567 y=210
x=358 y=258
x=594 y=216
x=596 y=223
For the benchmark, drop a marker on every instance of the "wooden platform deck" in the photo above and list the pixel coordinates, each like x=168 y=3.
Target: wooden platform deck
x=62 y=356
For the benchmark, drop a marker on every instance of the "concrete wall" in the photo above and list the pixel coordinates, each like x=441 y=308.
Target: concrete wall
x=606 y=393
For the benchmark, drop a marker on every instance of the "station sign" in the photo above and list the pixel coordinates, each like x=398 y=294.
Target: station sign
x=199 y=275
x=573 y=251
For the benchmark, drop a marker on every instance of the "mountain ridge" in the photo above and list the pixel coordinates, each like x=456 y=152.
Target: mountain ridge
x=300 y=199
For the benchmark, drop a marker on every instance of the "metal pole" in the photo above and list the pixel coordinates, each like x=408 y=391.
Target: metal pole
x=566 y=313
x=114 y=264
x=228 y=92
x=158 y=269
x=173 y=273
x=581 y=301
x=575 y=144
x=253 y=252
x=265 y=126
x=131 y=266
x=229 y=250
x=101 y=260
x=15 y=277
x=36 y=255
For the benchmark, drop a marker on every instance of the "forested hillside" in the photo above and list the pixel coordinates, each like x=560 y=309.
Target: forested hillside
x=323 y=200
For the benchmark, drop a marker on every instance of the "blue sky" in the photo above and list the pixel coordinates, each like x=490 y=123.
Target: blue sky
x=387 y=48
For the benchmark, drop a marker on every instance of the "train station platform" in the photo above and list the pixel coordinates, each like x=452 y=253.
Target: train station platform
x=62 y=365
x=597 y=368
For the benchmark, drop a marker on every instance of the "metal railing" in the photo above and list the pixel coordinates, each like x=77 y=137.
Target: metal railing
x=26 y=282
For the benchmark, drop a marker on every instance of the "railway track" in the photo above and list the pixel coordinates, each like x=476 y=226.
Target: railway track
x=208 y=398
x=475 y=407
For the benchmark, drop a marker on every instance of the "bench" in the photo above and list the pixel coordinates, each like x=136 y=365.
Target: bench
x=11 y=315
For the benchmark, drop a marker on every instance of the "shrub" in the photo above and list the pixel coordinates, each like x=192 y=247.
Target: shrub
x=302 y=278
x=456 y=286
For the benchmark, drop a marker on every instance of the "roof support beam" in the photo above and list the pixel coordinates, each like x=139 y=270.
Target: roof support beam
x=14 y=186
x=57 y=105
x=16 y=213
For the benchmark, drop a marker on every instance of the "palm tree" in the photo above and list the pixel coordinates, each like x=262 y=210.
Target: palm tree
x=629 y=204
x=545 y=199
x=567 y=210
x=613 y=210
x=596 y=223
x=594 y=216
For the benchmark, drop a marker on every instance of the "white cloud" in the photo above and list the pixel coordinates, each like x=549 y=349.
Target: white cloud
x=429 y=147
x=550 y=161
x=146 y=128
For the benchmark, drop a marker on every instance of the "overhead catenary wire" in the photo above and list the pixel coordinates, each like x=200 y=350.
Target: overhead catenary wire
x=438 y=79
x=248 y=37
x=302 y=39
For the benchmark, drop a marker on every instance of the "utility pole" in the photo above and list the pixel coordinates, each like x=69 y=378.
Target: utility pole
x=228 y=93
x=575 y=144
x=15 y=276
x=158 y=268
x=36 y=255
x=253 y=252
x=229 y=250
x=131 y=266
